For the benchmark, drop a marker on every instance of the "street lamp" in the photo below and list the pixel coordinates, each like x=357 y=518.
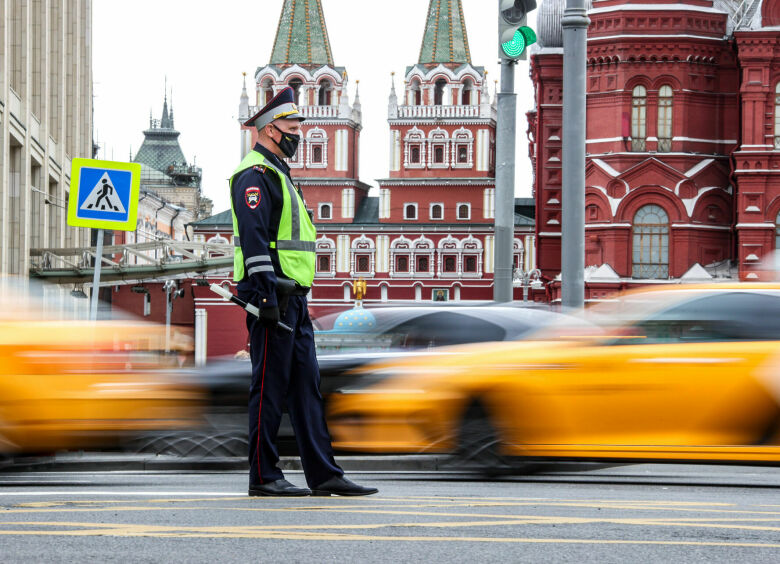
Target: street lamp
x=526 y=278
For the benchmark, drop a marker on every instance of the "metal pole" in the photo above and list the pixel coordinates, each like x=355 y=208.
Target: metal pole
x=575 y=27
x=505 y=184
x=96 y=276
x=168 y=306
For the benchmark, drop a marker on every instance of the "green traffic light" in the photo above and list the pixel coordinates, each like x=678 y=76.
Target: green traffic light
x=524 y=36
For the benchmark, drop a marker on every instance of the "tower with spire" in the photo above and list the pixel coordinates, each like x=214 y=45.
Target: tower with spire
x=442 y=172
x=164 y=169
x=326 y=164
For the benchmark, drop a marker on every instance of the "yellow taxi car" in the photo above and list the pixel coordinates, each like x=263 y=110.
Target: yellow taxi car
x=682 y=373
x=67 y=383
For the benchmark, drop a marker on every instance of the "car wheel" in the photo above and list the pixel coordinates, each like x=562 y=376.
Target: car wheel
x=202 y=444
x=479 y=444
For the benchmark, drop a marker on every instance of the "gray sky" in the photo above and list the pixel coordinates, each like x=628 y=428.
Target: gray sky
x=204 y=46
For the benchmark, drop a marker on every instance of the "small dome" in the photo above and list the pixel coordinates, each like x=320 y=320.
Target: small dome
x=356 y=319
x=548 y=22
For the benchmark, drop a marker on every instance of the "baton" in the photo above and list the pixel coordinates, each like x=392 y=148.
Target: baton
x=230 y=297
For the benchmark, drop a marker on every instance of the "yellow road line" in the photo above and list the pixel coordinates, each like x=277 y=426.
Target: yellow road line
x=101 y=529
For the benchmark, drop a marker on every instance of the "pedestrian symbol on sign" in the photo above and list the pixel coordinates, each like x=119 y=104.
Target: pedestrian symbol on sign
x=103 y=197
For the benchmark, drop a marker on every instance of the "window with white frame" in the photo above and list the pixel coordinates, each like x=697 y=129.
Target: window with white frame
x=414 y=149
x=437 y=211
x=462 y=149
x=410 y=211
x=400 y=256
x=777 y=116
x=363 y=256
x=639 y=118
x=449 y=263
x=665 y=119
x=464 y=211
x=326 y=257
x=650 y=253
x=439 y=148
x=423 y=252
x=325 y=211
x=362 y=263
x=317 y=148
x=471 y=259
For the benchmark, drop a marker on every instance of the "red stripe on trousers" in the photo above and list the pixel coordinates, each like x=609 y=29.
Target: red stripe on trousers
x=260 y=408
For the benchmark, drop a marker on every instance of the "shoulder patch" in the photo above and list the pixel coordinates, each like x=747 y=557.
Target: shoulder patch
x=252 y=197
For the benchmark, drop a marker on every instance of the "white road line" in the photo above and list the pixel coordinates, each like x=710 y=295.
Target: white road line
x=118 y=493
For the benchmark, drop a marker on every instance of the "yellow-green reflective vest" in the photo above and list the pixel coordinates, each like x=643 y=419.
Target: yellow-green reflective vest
x=295 y=235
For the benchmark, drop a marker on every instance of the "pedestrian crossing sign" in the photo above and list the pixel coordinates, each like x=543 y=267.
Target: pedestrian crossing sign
x=104 y=194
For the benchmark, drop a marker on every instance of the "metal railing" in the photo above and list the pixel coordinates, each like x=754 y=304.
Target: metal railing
x=129 y=262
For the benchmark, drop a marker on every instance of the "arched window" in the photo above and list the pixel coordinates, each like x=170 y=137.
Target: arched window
x=639 y=118
x=325 y=211
x=266 y=92
x=651 y=243
x=777 y=232
x=438 y=95
x=326 y=93
x=296 y=84
x=437 y=211
x=466 y=98
x=415 y=93
x=410 y=211
x=777 y=116
x=665 y=119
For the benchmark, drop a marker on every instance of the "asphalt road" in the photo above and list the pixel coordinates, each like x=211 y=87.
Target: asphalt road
x=642 y=513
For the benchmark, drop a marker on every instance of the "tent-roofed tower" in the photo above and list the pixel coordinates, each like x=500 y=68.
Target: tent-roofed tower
x=302 y=37
x=326 y=164
x=445 y=39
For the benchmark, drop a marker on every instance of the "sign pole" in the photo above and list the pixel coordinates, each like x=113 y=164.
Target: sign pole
x=96 y=277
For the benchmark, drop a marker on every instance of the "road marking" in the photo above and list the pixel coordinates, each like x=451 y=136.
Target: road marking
x=124 y=530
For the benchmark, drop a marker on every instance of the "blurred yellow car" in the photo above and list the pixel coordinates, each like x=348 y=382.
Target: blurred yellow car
x=67 y=383
x=682 y=373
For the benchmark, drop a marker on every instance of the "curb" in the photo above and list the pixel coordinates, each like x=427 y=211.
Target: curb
x=102 y=462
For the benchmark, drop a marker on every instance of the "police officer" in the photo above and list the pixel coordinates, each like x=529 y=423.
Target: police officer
x=274 y=249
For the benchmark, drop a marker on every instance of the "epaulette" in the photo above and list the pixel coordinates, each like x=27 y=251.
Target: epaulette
x=259 y=168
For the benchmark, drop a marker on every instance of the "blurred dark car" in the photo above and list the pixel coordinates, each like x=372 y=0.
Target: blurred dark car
x=345 y=341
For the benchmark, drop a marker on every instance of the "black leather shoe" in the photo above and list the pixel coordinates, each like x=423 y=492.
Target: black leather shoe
x=279 y=487
x=339 y=485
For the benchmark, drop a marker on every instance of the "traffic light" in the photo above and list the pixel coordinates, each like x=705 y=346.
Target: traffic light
x=513 y=35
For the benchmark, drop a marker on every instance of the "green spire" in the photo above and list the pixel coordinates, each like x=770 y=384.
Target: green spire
x=445 y=39
x=302 y=37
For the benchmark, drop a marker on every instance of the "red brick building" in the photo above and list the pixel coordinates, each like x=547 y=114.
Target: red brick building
x=681 y=140
x=428 y=233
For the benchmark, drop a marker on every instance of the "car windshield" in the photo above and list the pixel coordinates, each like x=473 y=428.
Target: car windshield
x=680 y=315
x=424 y=327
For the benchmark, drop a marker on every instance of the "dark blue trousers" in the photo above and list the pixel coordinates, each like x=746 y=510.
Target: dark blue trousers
x=285 y=371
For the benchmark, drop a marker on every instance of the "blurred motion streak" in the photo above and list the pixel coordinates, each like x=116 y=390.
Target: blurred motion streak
x=70 y=383
x=675 y=373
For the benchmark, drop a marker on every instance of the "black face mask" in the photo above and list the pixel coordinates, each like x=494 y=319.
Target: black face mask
x=289 y=143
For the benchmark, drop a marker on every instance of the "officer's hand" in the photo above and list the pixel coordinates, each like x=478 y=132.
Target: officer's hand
x=269 y=317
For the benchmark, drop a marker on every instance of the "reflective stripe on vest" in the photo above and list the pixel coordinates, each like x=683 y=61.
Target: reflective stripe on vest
x=295 y=238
